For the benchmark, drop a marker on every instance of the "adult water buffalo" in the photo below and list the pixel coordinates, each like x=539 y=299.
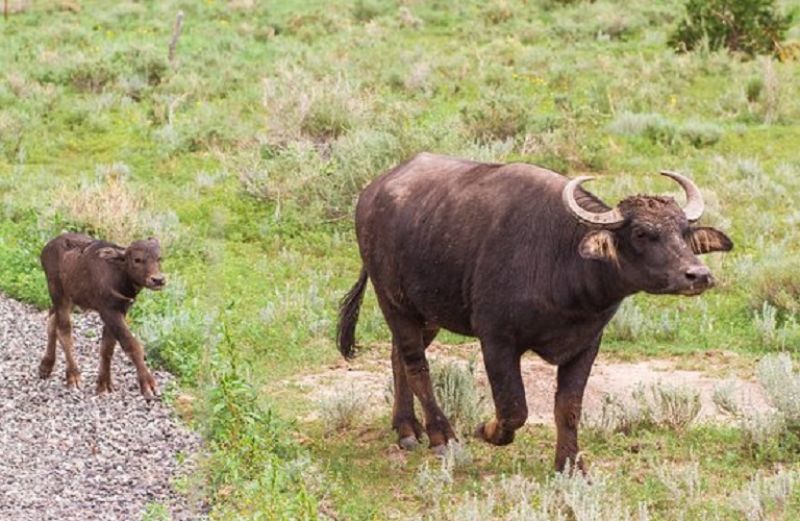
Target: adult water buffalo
x=522 y=258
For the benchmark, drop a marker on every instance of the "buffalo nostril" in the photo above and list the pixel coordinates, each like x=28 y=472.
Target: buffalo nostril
x=158 y=281
x=699 y=274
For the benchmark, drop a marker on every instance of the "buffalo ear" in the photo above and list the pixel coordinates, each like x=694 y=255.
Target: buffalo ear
x=706 y=240
x=598 y=245
x=110 y=254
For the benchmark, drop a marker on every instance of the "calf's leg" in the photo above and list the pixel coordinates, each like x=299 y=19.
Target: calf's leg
x=508 y=391
x=404 y=420
x=49 y=358
x=572 y=378
x=64 y=332
x=115 y=321
x=107 y=344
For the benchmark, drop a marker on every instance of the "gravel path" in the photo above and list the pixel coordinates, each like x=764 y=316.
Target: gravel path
x=72 y=455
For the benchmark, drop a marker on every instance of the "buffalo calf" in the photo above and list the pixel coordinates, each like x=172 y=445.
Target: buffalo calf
x=98 y=275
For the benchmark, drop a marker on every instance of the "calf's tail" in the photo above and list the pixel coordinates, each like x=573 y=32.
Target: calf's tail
x=348 y=316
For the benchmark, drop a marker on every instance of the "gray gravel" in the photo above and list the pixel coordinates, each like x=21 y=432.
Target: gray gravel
x=69 y=454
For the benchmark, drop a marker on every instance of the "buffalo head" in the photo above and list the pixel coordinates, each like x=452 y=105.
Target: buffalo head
x=651 y=239
x=141 y=261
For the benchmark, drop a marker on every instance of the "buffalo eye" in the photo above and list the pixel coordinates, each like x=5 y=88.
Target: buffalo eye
x=137 y=261
x=641 y=234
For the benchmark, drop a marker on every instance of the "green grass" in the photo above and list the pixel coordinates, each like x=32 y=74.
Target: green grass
x=250 y=151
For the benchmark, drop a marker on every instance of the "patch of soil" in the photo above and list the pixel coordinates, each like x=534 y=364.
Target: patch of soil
x=370 y=377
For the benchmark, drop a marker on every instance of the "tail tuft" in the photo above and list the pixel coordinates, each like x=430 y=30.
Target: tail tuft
x=348 y=316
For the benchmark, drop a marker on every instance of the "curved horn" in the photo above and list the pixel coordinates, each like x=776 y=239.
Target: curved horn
x=694 y=199
x=609 y=218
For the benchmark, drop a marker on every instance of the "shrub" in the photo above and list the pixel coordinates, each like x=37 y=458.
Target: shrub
x=748 y=26
x=669 y=406
x=683 y=482
x=776 y=332
x=700 y=134
x=498 y=117
x=454 y=385
x=777 y=284
x=563 y=496
x=630 y=323
x=107 y=208
x=660 y=405
x=766 y=497
x=654 y=127
x=173 y=329
x=782 y=384
x=342 y=409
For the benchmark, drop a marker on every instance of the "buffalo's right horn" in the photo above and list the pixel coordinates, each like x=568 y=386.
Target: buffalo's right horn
x=605 y=219
x=694 y=199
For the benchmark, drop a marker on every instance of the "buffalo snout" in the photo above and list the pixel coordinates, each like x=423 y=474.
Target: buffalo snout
x=697 y=279
x=156 y=282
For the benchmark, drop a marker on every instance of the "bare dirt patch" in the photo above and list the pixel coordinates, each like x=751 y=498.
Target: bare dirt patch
x=370 y=377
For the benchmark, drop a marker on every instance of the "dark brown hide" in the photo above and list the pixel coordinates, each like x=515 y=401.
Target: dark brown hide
x=104 y=277
x=491 y=251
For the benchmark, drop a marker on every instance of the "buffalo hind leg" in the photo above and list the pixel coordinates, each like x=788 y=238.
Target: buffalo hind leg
x=107 y=344
x=49 y=358
x=404 y=420
x=572 y=378
x=508 y=393
x=64 y=332
x=408 y=336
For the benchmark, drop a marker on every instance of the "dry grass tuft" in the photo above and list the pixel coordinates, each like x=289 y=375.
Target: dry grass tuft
x=107 y=208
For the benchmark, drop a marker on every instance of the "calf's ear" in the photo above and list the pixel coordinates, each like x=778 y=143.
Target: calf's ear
x=598 y=245
x=111 y=254
x=706 y=240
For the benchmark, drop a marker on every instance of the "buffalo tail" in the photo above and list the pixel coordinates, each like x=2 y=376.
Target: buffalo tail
x=348 y=316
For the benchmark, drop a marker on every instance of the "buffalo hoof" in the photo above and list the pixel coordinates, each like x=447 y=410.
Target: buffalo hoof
x=489 y=433
x=408 y=443
x=74 y=379
x=439 y=450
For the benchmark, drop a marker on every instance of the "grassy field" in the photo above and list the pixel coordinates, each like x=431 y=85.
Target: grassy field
x=246 y=152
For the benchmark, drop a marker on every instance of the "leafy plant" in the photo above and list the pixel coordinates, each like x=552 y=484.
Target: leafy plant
x=748 y=26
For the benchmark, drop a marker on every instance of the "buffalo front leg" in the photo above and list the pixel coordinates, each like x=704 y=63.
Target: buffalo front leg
x=107 y=344
x=116 y=323
x=404 y=420
x=572 y=378
x=508 y=393
x=49 y=358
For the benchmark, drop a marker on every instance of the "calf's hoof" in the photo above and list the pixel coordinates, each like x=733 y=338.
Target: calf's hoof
x=104 y=386
x=491 y=433
x=74 y=379
x=148 y=387
x=45 y=370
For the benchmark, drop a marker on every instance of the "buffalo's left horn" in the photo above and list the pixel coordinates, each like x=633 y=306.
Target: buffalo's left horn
x=605 y=219
x=694 y=199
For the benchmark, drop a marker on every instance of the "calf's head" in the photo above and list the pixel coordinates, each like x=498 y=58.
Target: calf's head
x=651 y=239
x=141 y=262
